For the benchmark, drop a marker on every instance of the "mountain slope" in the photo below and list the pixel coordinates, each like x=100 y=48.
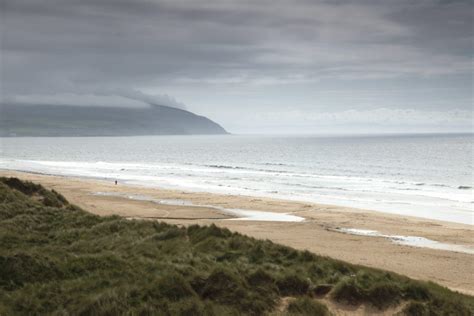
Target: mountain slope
x=57 y=120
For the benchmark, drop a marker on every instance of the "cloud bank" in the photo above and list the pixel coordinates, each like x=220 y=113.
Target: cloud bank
x=228 y=57
x=112 y=98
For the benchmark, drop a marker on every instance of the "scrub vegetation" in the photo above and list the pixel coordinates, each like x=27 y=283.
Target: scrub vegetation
x=56 y=258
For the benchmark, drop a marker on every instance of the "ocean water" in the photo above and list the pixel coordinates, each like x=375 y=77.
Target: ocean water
x=428 y=176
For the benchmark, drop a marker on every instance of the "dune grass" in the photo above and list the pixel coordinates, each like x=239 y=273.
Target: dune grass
x=58 y=259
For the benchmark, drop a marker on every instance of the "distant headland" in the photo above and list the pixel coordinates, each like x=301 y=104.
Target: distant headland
x=59 y=120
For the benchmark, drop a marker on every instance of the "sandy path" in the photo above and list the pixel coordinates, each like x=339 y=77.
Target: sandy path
x=316 y=233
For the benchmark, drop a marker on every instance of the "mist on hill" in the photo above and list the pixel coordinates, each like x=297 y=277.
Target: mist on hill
x=61 y=120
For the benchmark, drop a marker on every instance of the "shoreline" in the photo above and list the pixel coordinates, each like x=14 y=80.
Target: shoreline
x=185 y=190
x=414 y=199
x=317 y=233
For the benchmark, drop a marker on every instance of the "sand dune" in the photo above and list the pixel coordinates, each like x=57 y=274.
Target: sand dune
x=319 y=232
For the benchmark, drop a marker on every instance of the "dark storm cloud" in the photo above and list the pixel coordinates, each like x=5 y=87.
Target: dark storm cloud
x=68 y=46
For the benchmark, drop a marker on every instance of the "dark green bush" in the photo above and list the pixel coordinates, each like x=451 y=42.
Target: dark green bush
x=415 y=309
x=173 y=232
x=261 y=278
x=48 y=198
x=293 y=284
x=224 y=286
x=199 y=233
x=347 y=291
x=173 y=287
x=416 y=292
x=383 y=294
x=443 y=306
x=20 y=269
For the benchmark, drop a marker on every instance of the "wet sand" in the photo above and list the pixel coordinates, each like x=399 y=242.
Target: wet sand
x=319 y=232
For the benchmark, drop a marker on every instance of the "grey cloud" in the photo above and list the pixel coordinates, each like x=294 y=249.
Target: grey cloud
x=185 y=47
x=149 y=40
x=151 y=99
x=110 y=97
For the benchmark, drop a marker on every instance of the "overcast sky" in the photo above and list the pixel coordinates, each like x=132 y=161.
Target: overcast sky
x=257 y=66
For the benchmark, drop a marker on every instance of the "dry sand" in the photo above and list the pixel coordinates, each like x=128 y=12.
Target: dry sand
x=452 y=269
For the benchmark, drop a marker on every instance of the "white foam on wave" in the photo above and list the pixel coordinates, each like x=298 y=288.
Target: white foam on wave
x=241 y=214
x=414 y=241
x=408 y=199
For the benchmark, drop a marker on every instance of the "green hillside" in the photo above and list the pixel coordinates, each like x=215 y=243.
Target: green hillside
x=58 y=259
x=63 y=120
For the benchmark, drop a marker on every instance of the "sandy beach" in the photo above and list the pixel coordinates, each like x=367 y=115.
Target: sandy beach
x=314 y=227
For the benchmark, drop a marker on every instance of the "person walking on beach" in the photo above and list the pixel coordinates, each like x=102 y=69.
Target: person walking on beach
x=115 y=182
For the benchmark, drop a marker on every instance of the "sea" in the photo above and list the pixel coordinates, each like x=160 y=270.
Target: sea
x=428 y=176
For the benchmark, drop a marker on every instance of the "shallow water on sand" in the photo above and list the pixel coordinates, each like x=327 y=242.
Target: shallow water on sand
x=240 y=214
x=414 y=241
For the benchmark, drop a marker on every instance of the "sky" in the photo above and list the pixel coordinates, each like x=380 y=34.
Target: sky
x=260 y=66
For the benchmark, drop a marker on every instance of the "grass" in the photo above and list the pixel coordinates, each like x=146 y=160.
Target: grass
x=307 y=306
x=58 y=259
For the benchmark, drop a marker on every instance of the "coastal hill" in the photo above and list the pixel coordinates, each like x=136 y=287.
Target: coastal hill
x=58 y=120
x=56 y=258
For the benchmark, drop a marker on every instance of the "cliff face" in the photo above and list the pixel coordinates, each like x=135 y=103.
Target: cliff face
x=57 y=120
